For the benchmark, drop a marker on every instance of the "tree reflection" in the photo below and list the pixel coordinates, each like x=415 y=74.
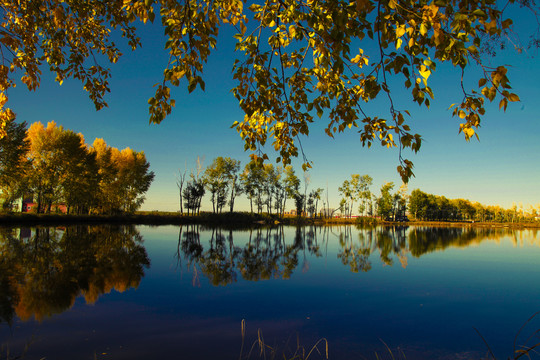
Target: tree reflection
x=265 y=254
x=42 y=273
x=268 y=254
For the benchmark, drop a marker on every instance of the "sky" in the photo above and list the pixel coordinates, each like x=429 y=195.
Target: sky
x=501 y=169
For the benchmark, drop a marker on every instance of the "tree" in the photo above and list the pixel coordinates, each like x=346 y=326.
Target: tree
x=124 y=178
x=295 y=58
x=134 y=177
x=193 y=194
x=364 y=193
x=253 y=182
x=180 y=181
x=385 y=202
x=216 y=182
x=46 y=156
x=13 y=161
x=79 y=178
x=416 y=204
x=107 y=193
x=299 y=202
x=350 y=191
x=313 y=201
x=400 y=202
x=271 y=185
x=232 y=168
x=291 y=184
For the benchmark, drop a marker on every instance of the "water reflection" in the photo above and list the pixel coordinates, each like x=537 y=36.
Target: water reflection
x=43 y=271
x=268 y=253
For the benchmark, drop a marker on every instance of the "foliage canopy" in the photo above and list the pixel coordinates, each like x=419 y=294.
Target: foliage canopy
x=296 y=58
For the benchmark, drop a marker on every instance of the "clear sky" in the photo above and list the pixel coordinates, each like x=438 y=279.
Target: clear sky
x=504 y=167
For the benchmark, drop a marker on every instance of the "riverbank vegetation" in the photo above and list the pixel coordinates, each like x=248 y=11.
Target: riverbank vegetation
x=55 y=168
x=268 y=187
x=63 y=174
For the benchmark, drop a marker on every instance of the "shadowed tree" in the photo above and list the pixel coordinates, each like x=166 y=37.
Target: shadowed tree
x=13 y=162
x=79 y=173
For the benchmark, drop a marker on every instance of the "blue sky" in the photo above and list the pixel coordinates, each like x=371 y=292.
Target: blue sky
x=500 y=169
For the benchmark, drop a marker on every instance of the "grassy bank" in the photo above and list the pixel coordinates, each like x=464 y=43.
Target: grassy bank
x=234 y=219
x=143 y=218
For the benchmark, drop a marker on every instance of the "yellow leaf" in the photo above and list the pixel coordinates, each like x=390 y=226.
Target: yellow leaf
x=513 y=97
x=424 y=72
x=400 y=31
x=292 y=31
x=469 y=132
x=423 y=29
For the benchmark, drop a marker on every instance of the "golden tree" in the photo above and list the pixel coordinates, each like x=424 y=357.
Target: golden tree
x=296 y=58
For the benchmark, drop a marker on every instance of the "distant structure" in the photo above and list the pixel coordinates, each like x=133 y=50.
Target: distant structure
x=327 y=212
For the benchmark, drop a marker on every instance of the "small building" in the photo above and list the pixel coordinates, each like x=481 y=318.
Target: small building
x=28 y=205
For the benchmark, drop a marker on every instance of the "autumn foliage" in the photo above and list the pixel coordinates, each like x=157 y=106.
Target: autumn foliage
x=59 y=167
x=295 y=60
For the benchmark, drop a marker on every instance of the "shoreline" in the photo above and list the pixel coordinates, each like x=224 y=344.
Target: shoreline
x=234 y=219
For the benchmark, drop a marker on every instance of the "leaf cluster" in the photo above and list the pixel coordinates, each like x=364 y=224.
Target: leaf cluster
x=296 y=58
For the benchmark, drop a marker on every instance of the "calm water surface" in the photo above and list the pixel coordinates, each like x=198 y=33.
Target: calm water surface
x=127 y=292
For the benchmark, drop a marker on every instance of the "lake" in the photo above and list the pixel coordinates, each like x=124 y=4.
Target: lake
x=142 y=292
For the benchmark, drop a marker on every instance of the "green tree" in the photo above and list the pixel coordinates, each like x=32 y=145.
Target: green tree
x=385 y=202
x=295 y=58
x=253 y=182
x=291 y=184
x=215 y=181
x=232 y=169
x=13 y=162
x=313 y=201
x=363 y=192
x=221 y=178
x=272 y=175
x=416 y=204
x=349 y=192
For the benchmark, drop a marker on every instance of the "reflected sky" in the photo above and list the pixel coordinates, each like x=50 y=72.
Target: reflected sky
x=422 y=291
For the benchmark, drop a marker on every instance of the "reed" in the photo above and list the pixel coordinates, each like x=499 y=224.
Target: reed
x=261 y=350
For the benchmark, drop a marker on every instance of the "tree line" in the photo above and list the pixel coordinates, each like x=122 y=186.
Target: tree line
x=56 y=166
x=269 y=187
x=422 y=206
x=425 y=206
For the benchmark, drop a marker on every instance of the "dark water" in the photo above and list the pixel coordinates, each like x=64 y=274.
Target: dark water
x=167 y=292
